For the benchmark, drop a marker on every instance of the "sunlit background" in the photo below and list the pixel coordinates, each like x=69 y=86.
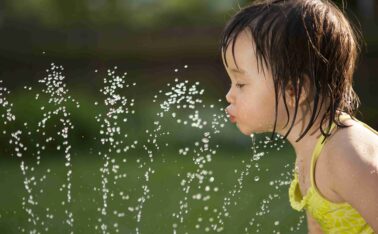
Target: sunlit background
x=148 y=39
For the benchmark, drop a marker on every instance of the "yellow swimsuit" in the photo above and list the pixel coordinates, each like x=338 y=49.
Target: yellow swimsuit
x=332 y=217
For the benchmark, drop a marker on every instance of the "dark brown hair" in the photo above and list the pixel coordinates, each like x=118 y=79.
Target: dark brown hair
x=298 y=40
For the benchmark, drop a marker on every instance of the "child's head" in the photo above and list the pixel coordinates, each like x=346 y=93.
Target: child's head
x=298 y=58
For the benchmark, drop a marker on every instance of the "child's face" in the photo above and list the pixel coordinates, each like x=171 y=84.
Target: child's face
x=251 y=95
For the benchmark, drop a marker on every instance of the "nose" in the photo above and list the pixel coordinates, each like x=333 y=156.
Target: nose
x=229 y=96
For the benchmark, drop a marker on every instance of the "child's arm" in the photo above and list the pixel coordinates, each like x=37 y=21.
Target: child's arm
x=354 y=171
x=313 y=226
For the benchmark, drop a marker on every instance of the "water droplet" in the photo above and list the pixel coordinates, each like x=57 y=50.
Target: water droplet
x=205 y=140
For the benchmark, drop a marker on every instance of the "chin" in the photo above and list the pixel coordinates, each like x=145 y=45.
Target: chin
x=249 y=131
x=246 y=131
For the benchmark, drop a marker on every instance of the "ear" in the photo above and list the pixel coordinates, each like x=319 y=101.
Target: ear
x=304 y=95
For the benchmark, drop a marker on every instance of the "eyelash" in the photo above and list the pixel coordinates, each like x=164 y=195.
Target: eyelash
x=239 y=85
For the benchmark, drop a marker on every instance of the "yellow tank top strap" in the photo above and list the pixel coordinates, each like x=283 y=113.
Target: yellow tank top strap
x=318 y=148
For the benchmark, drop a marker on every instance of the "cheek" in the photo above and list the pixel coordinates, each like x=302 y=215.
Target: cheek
x=246 y=106
x=255 y=109
x=263 y=111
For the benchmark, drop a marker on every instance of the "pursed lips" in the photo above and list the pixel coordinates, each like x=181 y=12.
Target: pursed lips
x=232 y=118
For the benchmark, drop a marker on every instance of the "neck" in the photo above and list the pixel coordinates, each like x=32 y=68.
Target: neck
x=304 y=147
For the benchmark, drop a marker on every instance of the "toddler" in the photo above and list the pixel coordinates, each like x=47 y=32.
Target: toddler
x=291 y=65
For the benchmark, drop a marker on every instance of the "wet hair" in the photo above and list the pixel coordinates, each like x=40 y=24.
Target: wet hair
x=299 y=40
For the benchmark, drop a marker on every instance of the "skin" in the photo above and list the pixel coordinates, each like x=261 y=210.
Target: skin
x=339 y=170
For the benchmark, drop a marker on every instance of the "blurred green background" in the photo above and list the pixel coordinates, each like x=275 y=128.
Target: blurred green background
x=148 y=39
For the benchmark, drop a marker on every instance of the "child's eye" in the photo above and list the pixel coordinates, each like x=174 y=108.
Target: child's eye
x=239 y=85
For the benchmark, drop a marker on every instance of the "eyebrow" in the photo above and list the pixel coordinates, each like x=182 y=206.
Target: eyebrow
x=237 y=71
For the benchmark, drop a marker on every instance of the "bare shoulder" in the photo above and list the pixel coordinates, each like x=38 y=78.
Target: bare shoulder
x=355 y=145
x=352 y=158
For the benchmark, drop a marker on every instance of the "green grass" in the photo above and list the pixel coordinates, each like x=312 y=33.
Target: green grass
x=165 y=190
